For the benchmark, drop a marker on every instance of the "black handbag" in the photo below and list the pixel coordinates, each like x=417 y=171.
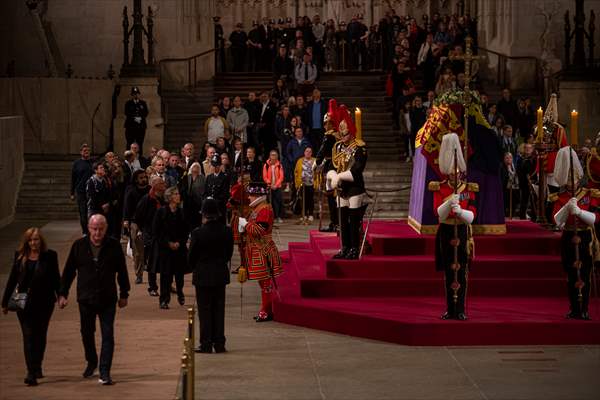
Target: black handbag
x=18 y=301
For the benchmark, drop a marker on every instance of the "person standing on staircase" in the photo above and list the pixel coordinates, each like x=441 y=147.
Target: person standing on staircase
x=80 y=173
x=453 y=203
x=238 y=39
x=349 y=158
x=136 y=111
x=238 y=119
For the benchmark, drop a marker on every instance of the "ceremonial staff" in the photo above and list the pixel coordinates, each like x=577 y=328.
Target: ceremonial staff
x=576 y=240
x=242 y=272
x=455 y=240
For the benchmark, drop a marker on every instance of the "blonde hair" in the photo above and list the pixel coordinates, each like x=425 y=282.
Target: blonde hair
x=23 y=250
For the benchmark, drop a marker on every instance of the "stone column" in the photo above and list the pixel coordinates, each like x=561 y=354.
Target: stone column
x=301 y=8
x=369 y=12
x=238 y=13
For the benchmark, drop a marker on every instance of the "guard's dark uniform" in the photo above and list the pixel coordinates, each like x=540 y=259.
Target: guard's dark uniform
x=578 y=282
x=324 y=161
x=217 y=187
x=135 y=131
x=350 y=157
x=444 y=251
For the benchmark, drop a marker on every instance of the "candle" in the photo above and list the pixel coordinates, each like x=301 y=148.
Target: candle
x=574 y=118
x=540 y=124
x=358 y=123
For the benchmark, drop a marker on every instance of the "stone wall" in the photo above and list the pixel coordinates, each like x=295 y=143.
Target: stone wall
x=519 y=28
x=11 y=165
x=57 y=112
x=89 y=33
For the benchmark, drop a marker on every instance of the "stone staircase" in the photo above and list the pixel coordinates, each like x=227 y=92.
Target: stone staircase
x=186 y=112
x=44 y=193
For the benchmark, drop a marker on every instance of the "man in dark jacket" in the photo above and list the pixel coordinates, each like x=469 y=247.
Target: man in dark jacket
x=136 y=111
x=98 y=192
x=80 y=173
x=316 y=110
x=283 y=66
x=238 y=39
x=210 y=252
x=144 y=217
x=133 y=195
x=97 y=260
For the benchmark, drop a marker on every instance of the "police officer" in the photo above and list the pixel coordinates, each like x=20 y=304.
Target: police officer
x=217 y=186
x=136 y=111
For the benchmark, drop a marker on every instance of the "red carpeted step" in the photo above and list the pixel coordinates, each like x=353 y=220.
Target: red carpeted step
x=522 y=238
x=415 y=320
x=423 y=266
x=514 y=297
x=320 y=288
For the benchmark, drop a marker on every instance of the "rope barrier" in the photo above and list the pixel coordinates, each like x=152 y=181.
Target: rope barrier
x=386 y=190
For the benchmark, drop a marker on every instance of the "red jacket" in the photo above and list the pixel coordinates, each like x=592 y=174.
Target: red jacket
x=279 y=174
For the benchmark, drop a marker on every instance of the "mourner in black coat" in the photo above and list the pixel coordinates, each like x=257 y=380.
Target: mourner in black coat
x=40 y=279
x=209 y=255
x=170 y=233
x=144 y=217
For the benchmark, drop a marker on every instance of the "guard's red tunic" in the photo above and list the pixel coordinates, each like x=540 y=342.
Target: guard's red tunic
x=261 y=253
x=442 y=191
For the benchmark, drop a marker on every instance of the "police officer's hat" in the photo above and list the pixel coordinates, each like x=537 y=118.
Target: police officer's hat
x=215 y=160
x=135 y=90
x=210 y=208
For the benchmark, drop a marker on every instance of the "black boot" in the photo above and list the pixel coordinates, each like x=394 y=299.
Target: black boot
x=342 y=254
x=352 y=254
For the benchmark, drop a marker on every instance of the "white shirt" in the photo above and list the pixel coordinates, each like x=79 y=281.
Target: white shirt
x=216 y=129
x=264 y=107
x=136 y=164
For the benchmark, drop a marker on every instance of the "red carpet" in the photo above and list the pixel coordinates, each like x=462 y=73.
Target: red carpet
x=516 y=293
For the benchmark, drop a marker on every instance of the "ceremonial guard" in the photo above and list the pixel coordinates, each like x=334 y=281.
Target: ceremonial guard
x=136 y=111
x=575 y=211
x=325 y=163
x=592 y=168
x=453 y=202
x=261 y=254
x=349 y=158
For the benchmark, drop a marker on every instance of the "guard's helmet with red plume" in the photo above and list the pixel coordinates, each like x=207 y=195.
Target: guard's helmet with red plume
x=346 y=124
x=332 y=114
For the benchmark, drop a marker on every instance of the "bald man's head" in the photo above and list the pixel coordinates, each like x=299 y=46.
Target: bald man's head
x=97 y=227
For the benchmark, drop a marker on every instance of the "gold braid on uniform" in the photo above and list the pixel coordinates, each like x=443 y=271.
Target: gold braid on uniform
x=342 y=161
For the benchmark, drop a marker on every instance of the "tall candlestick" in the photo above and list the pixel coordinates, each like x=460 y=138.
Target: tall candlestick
x=358 y=123
x=540 y=124
x=574 y=118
